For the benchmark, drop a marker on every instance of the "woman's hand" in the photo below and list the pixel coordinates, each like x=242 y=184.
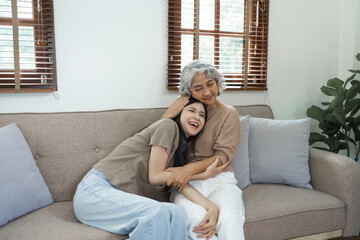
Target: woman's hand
x=214 y=170
x=175 y=107
x=207 y=227
x=171 y=169
x=180 y=177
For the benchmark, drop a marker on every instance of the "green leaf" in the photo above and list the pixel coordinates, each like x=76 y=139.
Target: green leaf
x=315 y=113
x=315 y=137
x=325 y=103
x=357 y=120
x=355 y=82
x=322 y=125
x=343 y=137
x=356 y=132
x=321 y=148
x=356 y=109
x=354 y=71
x=351 y=105
x=358 y=56
x=352 y=92
x=331 y=143
x=331 y=118
x=338 y=115
x=340 y=99
x=341 y=146
x=349 y=79
x=335 y=83
x=336 y=102
x=328 y=91
x=333 y=105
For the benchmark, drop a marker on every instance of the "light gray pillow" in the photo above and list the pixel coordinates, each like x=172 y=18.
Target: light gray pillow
x=279 y=151
x=22 y=187
x=240 y=162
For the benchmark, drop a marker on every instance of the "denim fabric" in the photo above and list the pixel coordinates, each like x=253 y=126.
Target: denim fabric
x=99 y=204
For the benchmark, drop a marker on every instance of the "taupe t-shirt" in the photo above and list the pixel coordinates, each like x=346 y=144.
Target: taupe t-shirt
x=126 y=167
x=220 y=136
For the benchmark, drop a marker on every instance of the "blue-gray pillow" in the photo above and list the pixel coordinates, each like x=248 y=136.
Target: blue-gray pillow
x=22 y=187
x=240 y=162
x=279 y=151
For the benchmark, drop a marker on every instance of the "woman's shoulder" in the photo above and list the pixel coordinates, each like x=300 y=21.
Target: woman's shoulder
x=228 y=110
x=165 y=122
x=165 y=125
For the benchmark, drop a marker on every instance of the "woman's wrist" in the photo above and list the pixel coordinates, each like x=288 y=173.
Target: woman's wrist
x=189 y=168
x=212 y=207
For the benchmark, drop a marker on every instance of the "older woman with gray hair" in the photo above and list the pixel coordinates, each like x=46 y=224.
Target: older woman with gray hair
x=218 y=140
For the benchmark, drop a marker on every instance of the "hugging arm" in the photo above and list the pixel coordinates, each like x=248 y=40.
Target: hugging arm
x=175 y=107
x=199 y=170
x=158 y=176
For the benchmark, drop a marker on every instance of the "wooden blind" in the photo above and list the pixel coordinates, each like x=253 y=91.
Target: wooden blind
x=230 y=34
x=27 y=46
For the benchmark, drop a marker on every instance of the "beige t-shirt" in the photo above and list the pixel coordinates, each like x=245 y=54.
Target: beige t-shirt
x=126 y=167
x=220 y=136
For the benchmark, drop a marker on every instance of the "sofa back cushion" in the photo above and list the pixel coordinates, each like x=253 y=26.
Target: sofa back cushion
x=66 y=145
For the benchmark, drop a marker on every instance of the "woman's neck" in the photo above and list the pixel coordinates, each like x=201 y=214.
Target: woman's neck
x=217 y=104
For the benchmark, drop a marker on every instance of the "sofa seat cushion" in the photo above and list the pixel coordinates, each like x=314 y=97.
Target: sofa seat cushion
x=56 y=221
x=275 y=211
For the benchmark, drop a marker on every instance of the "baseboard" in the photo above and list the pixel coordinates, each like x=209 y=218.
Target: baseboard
x=321 y=236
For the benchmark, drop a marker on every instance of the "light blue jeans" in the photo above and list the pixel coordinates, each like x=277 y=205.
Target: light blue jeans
x=99 y=204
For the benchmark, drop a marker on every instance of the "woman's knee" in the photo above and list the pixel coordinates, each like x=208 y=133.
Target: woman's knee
x=228 y=216
x=157 y=211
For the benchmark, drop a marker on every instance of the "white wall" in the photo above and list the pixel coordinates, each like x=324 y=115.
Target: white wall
x=102 y=60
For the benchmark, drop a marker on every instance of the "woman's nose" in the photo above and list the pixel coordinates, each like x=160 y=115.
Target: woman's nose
x=206 y=91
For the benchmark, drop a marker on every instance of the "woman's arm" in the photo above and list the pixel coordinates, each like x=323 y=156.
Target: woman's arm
x=158 y=176
x=157 y=164
x=175 y=107
x=207 y=227
x=191 y=171
x=212 y=170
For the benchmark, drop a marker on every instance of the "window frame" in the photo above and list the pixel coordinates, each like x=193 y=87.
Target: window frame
x=30 y=80
x=255 y=70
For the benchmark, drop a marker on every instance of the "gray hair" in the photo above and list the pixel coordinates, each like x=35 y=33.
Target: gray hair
x=194 y=68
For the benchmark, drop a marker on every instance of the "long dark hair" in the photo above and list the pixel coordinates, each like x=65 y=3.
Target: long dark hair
x=181 y=154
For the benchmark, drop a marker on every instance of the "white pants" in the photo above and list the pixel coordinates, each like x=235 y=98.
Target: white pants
x=224 y=193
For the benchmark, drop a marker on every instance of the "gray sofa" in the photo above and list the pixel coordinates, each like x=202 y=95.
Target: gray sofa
x=66 y=145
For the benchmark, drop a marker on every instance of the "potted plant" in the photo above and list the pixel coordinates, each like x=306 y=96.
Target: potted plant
x=339 y=120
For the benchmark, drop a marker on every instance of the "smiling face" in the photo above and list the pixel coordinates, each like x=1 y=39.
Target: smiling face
x=192 y=119
x=205 y=90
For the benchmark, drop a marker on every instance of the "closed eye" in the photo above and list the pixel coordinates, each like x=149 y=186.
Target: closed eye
x=210 y=83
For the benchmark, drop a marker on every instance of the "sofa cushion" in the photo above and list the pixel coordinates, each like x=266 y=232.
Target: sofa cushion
x=56 y=221
x=240 y=163
x=22 y=187
x=268 y=216
x=279 y=151
x=274 y=211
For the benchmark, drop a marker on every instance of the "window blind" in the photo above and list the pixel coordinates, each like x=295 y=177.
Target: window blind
x=27 y=46
x=230 y=34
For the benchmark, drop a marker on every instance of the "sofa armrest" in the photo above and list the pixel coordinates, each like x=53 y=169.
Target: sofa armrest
x=339 y=176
